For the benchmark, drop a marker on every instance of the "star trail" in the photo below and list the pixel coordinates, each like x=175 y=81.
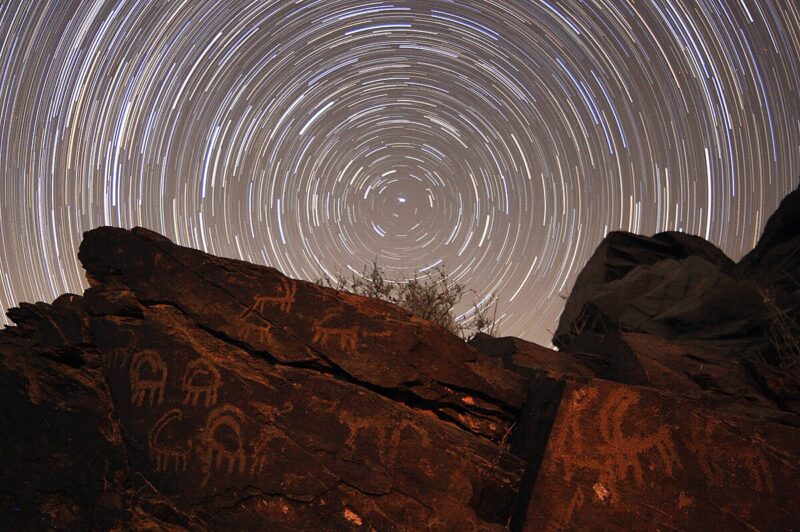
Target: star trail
x=501 y=139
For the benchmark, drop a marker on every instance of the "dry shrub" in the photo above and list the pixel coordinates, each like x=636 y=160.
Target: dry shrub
x=432 y=296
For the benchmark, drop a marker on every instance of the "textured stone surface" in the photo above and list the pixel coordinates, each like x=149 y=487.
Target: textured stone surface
x=243 y=399
x=627 y=457
x=183 y=391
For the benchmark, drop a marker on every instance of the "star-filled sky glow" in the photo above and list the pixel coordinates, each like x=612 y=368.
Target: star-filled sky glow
x=502 y=139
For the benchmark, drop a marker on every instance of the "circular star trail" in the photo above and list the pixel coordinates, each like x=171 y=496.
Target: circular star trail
x=500 y=139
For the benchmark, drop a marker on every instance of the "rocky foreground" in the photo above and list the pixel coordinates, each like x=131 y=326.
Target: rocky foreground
x=187 y=391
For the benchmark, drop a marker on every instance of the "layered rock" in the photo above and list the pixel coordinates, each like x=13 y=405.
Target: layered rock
x=187 y=391
x=632 y=458
x=192 y=391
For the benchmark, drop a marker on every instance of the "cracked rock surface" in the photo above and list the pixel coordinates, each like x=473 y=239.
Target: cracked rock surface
x=184 y=391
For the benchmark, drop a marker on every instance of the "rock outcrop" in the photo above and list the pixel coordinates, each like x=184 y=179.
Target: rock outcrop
x=184 y=391
x=680 y=287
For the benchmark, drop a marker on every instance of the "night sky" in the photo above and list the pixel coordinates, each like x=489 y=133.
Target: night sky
x=500 y=139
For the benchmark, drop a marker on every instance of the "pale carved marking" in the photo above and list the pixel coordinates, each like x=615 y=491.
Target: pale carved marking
x=201 y=381
x=389 y=438
x=625 y=451
x=148 y=374
x=221 y=445
x=259 y=457
x=736 y=459
x=168 y=455
x=285 y=300
x=620 y=455
x=118 y=357
x=377 y=334
x=564 y=519
x=258 y=335
x=346 y=338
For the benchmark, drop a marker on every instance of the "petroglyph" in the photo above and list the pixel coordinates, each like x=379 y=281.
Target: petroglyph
x=168 y=454
x=285 y=300
x=260 y=457
x=118 y=357
x=565 y=519
x=201 y=381
x=148 y=374
x=377 y=334
x=257 y=335
x=344 y=337
x=388 y=439
x=731 y=466
x=625 y=451
x=221 y=446
x=619 y=454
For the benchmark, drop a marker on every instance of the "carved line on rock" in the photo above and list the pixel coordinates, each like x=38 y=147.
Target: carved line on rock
x=148 y=377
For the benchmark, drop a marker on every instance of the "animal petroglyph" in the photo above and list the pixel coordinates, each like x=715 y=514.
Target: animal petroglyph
x=148 y=374
x=626 y=450
x=201 y=381
x=257 y=334
x=346 y=338
x=221 y=445
x=284 y=301
x=388 y=440
x=619 y=453
x=731 y=466
x=168 y=452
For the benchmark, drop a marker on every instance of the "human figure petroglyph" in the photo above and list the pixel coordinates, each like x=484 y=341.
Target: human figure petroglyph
x=285 y=300
x=201 y=380
x=148 y=375
x=165 y=452
x=221 y=445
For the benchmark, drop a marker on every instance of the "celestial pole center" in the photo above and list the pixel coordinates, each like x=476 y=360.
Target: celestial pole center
x=500 y=139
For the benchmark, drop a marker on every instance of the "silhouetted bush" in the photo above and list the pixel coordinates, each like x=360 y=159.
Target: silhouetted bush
x=432 y=296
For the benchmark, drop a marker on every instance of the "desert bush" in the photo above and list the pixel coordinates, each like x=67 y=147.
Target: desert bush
x=783 y=330
x=432 y=296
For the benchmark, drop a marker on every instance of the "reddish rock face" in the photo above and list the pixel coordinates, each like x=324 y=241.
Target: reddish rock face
x=229 y=396
x=186 y=391
x=628 y=457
